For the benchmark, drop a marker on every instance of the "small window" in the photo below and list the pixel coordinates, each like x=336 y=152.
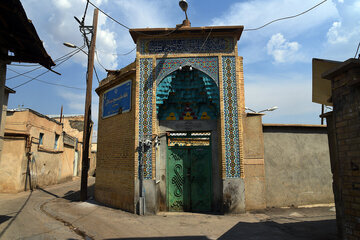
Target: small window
x=56 y=141
x=41 y=139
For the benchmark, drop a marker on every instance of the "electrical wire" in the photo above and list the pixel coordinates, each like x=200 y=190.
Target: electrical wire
x=97 y=59
x=24 y=65
x=32 y=79
x=86 y=7
x=123 y=25
x=56 y=60
x=284 y=18
x=109 y=16
x=42 y=81
x=357 y=50
x=97 y=77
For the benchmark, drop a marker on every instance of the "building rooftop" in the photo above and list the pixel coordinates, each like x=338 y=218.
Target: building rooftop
x=162 y=32
x=19 y=36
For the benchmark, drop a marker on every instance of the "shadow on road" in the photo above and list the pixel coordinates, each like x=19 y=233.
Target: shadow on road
x=269 y=230
x=14 y=218
x=4 y=218
x=72 y=196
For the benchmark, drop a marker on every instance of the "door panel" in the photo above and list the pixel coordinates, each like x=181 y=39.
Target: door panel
x=189 y=178
x=200 y=179
x=178 y=191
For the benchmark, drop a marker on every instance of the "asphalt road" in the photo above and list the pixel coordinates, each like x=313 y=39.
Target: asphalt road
x=55 y=213
x=21 y=216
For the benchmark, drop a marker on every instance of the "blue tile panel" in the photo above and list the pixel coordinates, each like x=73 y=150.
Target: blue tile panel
x=232 y=147
x=208 y=65
x=188 y=45
x=187 y=95
x=145 y=110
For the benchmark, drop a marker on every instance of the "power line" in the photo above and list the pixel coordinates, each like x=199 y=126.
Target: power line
x=97 y=59
x=24 y=65
x=42 y=81
x=284 y=18
x=97 y=77
x=109 y=16
x=56 y=60
x=64 y=60
x=123 y=25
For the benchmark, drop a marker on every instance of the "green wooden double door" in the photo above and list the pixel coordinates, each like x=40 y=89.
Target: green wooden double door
x=189 y=178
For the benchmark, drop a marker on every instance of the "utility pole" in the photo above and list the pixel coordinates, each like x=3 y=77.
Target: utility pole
x=87 y=117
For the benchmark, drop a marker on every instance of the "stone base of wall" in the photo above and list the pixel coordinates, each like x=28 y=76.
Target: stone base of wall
x=234 y=195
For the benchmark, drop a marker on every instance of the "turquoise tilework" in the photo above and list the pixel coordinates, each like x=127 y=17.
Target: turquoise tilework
x=145 y=111
x=232 y=147
x=208 y=65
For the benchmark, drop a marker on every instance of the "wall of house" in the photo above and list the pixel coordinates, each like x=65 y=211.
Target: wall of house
x=297 y=165
x=3 y=110
x=13 y=165
x=67 y=165
x=115 y=163
x=49 y=164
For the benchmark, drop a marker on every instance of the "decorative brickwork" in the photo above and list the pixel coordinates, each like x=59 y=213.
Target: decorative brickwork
x=232 y=148
x=188 y=45
x=145 y=111
x=208 y=65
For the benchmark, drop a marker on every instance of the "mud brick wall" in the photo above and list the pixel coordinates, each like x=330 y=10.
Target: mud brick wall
x=115 y=167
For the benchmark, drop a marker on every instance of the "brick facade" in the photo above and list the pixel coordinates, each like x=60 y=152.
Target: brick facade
x=344 y=142
x=115 y=170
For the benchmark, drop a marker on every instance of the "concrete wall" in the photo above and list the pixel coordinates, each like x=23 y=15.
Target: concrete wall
x=116 y=163
x=297 y=165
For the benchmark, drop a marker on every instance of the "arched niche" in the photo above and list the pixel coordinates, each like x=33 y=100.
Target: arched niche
x=187 y=94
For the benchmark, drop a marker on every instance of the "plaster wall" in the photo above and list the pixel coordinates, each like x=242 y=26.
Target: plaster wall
x=255 y=194
x=49 y=164
x=3 y=120
x=13 y=166
x=297 y=166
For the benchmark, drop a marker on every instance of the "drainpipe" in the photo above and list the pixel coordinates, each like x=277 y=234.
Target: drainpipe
x=28 y=156
x=141 y=181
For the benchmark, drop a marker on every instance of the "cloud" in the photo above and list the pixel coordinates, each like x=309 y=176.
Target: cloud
x=75 y=103
x=255 y=13
x=341 y=1
x=334 y=36
x=56 y=25
x=290 y=91
x=343 y=35
x=282 y=50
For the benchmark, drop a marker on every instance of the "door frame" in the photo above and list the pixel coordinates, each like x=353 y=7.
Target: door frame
x=210 y=163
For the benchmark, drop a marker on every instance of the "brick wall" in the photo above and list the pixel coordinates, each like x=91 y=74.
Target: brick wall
x=115 y=167
x=344 y=130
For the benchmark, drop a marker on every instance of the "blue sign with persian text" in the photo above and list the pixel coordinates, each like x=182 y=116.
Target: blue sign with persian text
x=117 y=100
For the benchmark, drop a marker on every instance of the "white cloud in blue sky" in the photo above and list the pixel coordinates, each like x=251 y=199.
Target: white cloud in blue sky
x=277 y=58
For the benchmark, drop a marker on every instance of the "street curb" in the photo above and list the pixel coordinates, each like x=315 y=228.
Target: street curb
x=76 y=230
